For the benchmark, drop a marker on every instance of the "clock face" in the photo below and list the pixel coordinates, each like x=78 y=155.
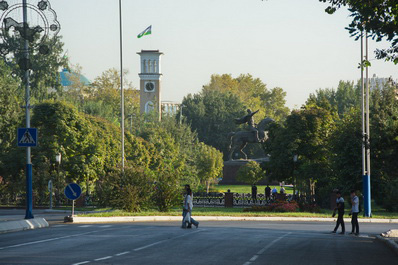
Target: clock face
x=149 y=86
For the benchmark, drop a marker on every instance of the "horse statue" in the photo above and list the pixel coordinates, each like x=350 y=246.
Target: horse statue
x=240 y=139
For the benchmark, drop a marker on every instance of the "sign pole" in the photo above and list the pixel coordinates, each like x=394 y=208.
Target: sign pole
x=29 y=193
x=50 y=189
x=73 y=208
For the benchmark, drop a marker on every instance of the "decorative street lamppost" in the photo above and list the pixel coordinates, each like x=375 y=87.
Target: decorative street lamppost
x=41 y=26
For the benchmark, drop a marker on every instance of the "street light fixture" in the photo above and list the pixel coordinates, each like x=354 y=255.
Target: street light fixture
x=181 y=106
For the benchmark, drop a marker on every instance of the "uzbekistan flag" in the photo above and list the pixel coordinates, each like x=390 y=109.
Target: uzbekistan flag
x=147 y=31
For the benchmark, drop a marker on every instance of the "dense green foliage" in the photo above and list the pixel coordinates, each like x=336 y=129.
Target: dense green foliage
x=251 y=173
x=81 y=123
x=326 y=135
x=211 y=112
x=378 y=17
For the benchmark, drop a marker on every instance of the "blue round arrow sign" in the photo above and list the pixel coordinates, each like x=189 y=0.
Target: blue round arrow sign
x=72 y=191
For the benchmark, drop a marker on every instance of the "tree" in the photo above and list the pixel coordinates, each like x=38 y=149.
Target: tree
x=10 y=111
x=253 y=93
x=339 y=100
x=44 y=76
x=211 y=114
x=305 y=133
x=106 y=89
x=251 y=173
x=377 y=17
x=11 y=117
x=209 y=163
x=384 y=146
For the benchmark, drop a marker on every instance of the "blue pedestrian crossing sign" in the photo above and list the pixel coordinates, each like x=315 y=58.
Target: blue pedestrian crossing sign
x=27 y=137
x=72 y=191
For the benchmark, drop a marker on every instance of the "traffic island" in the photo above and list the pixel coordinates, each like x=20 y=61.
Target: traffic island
x=20 y=225
x=390 y=238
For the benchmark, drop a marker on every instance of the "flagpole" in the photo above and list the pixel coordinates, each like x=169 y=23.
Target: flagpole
x=121 y=82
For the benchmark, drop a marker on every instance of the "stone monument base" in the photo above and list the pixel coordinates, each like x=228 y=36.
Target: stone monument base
x=231 y=168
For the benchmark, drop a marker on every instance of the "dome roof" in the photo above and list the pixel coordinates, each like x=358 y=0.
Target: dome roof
x=65 y=78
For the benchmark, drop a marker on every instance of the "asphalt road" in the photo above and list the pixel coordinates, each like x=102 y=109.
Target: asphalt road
x=241 y=243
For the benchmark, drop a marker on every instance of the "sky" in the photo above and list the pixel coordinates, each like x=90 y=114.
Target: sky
x=290 y=44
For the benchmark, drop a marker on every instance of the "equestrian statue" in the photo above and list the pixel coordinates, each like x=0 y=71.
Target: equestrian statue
x=254 y=134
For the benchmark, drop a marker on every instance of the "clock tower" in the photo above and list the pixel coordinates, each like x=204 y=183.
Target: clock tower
x=150 y=81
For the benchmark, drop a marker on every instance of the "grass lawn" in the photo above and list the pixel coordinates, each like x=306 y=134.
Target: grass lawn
x=238 y=212
x=248 y=188
x=82 y=209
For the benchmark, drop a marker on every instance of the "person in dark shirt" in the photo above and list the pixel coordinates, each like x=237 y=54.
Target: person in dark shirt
x=254 y=193
x=340 y=213
x=267 y=193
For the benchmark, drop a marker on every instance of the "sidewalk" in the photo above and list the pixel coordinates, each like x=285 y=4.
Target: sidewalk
x=19 y=225
x=81 y=219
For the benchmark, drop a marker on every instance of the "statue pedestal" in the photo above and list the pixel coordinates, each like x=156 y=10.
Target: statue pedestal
x=231 y=168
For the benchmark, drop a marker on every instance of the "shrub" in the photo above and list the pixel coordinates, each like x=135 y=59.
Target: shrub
x=251 y=173
x=311 y=208
x=130 y=191
x=280 y=206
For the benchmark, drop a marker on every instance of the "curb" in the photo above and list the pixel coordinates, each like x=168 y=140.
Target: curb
x=82 y=219
x=13 y=226
x=389 y=242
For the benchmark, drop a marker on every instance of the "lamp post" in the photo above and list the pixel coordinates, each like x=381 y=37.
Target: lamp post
x=131 y=123
x=181 y=106
x=365 y=129
x=295 y=158
x=58 y=158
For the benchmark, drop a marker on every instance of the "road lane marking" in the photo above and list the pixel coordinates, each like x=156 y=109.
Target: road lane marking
x=104 y=258
x=80 y=263
x=255 y=257
x=144 y=247
x=58 y=225
x=272 y=243
x=162 y=241
x=47 y=240
x=123 y=253
x=105 y=226
x=85 y=225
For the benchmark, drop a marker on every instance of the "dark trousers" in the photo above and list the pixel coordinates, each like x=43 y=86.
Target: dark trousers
x=340 y=220
x=354 y=223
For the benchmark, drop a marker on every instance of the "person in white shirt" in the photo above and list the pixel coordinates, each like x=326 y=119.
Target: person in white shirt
x=187 y=219
x=354 y=213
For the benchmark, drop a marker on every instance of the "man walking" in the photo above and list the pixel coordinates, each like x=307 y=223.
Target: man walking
x=267 y=193
x=254 y=193
x=354 y=213
x=340 y=213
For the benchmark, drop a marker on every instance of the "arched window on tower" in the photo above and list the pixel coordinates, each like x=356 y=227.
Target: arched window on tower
x=155 y=66
x=144 y=66
x=149 y=106
x=149 y=66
